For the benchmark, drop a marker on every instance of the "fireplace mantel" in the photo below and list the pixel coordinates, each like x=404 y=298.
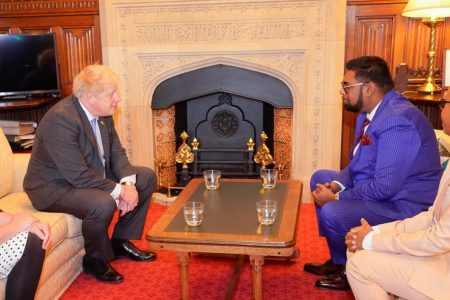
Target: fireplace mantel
x=299 y=42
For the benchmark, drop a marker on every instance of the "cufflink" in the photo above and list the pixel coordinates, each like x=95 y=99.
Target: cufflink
x=128 y=183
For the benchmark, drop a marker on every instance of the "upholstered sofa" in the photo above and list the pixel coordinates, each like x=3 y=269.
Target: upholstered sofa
x=63 y=257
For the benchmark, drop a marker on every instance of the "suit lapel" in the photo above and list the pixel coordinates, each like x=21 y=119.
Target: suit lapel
x=85 y=122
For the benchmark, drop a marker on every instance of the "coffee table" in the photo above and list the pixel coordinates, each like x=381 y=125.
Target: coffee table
x=230 y=225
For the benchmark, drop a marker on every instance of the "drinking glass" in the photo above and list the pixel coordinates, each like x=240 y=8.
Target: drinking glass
x=267 y=211
x=211 y=179
x=269 y=178
x=193 y=213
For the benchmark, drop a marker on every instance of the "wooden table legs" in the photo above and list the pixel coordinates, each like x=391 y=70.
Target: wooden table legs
x=183 y=258
x=257 y=261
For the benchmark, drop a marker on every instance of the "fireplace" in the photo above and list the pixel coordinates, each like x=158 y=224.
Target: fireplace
x=299 y=42
x=224 y=108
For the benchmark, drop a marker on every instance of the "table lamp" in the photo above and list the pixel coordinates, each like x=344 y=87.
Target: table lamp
x=432 y=12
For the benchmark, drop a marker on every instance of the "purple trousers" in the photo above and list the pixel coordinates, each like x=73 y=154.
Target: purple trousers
x=337 y=217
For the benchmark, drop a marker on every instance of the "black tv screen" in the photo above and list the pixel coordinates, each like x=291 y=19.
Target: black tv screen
x=28 y=66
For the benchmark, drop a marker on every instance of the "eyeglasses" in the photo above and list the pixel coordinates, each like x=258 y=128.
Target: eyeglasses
x=345 y=87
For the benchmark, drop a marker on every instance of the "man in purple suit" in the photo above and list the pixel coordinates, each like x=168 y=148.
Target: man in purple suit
x=394 y=170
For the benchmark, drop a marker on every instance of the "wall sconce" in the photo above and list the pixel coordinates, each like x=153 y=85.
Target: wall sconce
x=432 y=12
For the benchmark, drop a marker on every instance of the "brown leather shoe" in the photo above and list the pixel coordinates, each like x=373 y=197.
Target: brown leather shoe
x=326 y=268
x=335 y=282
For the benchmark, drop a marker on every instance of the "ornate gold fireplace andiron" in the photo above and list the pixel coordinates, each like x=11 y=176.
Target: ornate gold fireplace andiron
x=263 y=156
x=195 y=143
x=184 y=156
x=250 y=144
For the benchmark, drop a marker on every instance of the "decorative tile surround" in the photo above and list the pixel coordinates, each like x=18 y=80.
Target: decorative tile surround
x=299 y=42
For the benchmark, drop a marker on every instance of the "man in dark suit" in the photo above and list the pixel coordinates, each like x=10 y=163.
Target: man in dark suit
x=394 y=171
x=78 y=166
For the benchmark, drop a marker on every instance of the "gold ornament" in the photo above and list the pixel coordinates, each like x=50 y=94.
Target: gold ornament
x=184 y=154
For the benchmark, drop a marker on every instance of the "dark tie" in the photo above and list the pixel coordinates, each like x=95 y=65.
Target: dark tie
x=360 y=135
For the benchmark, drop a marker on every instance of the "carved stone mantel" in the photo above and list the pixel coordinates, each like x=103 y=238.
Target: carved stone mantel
x=300 y=42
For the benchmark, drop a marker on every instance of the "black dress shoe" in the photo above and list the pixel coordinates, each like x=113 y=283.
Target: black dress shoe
x=126 y=249
x=101 y=270
x=335 y=282
x=326 y=268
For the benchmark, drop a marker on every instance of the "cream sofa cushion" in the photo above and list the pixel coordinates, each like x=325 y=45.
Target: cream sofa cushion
x=61 y=225
x=6 y=166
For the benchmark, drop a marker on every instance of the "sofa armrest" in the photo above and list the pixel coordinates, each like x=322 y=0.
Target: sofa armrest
x=20 y=165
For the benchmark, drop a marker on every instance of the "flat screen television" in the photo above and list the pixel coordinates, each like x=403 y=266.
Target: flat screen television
x=28 y=66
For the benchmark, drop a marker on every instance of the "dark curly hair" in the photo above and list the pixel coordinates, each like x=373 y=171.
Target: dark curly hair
x=371 y=69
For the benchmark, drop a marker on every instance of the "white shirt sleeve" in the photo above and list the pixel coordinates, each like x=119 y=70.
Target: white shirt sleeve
x=116 y=193
x=367 y=242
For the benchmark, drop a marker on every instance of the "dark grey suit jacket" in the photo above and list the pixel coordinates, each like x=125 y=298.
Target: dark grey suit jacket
x=65 y=155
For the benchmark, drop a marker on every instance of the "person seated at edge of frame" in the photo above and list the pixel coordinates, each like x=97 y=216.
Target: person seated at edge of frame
x=23 y=240
x=409 y=258
x=79 y=167
x=394 y=169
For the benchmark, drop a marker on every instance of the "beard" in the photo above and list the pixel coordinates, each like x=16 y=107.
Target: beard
x=357 y=106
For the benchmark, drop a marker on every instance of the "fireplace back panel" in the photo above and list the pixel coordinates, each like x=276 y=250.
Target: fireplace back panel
x=223 y=124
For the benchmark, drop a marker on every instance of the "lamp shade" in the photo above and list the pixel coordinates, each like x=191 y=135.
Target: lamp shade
x=427 y=9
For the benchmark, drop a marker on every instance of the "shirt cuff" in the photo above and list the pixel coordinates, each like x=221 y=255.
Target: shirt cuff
x=367 y=242
x=131 y=178
x=116 y=193
x=376 y=229
x=340 y=184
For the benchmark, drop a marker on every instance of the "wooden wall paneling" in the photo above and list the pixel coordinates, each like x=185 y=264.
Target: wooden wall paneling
x=374 y=36
x=79 y=51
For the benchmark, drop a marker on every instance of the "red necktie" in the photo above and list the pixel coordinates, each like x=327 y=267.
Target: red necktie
x=360 y=135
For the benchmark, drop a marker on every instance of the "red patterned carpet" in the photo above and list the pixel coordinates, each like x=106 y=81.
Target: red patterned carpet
x=209 y=276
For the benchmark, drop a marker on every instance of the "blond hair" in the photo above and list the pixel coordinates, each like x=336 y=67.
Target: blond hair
x=93 y=79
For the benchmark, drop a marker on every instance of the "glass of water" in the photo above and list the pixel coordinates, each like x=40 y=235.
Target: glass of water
x=211 y=179
x=269 y=178
x=193 y=213
x=267 y=211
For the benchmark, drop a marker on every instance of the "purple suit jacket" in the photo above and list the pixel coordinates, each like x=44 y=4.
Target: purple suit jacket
x=397 y=174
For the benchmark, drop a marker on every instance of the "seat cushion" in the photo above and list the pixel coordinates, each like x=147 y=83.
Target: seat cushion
x=6 y=166
x=61 y=225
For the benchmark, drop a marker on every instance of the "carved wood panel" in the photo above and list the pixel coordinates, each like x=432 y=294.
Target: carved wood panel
x=374 y=36
x=80 y=50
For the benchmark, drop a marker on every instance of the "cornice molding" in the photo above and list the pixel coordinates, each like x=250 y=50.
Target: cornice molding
x=47 y=7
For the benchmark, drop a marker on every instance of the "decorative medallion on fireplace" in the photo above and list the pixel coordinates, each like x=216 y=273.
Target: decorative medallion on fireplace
x=225 y=123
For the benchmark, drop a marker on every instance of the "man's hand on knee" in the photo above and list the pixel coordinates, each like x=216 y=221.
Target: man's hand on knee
x=323 y=194
x=129 y=195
